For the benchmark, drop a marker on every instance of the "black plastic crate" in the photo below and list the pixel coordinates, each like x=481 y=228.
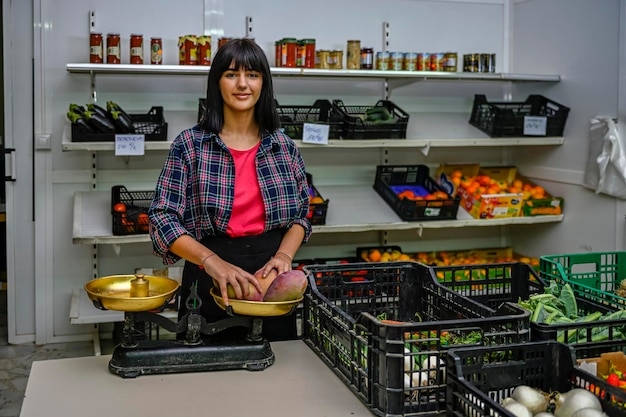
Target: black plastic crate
x=151 y=124
x=393 y=179
x=292 y=118
x=317 y=210
x=502 y=119
x=373 y=332
x=355 y=125
x=479 y=378
x=493 y=284
x=134 y=220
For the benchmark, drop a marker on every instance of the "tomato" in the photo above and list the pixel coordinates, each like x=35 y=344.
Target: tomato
x=143 y=222
x=119 y=208
x=613 y=379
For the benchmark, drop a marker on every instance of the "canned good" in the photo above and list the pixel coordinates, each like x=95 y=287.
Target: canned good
x=335 y=59
x=423 y=61
x=222 y=41
x=410 y=61
x=191 y=50
x=308 y=59
x=289 y=52
x=396 y=60
x=96 y=48
x=353 y=56
x=278 y=53
x=449 y=62
x=486 y=63
x=156 y=51
x=322 y=59
x=136 y=49
x=436 y=61
x=382 y=60
x=367 y=58
x=204 y=50
x=113 y=48
x=471 y=62
x=181 y=50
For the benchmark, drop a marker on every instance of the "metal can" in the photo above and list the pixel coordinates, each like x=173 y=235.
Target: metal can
x=492 y=63
x=322 y=59
x=436 y=61
x=113 y=48
x=204 y=50
x=382 y=60
x=449 y=62
x=335 y=59
x=96 y=48
x=353 y=56
x=395 y=61
x=410 y=61
x=156 y=51
x=423 y=61
x=473 y=63
x=136 y=49
x=367 y=58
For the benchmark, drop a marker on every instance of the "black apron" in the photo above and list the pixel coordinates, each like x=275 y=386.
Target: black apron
x=249 y=253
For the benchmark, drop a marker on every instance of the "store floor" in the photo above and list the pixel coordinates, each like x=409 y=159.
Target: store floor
x=16 y=360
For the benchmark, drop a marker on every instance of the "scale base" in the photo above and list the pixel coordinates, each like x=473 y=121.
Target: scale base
x=172 y=356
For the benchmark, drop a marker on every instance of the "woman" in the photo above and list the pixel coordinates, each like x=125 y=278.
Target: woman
x=232 y=196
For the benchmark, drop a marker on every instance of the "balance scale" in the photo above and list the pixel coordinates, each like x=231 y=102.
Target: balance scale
x=199 y=345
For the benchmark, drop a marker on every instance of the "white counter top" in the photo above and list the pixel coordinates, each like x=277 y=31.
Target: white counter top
x=297 y=384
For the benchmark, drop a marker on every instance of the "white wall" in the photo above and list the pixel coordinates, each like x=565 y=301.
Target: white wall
x=546 y=37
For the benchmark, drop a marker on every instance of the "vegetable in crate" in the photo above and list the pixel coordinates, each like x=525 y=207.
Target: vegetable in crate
x=379 y=114
x=122 y=120
x=79 y=120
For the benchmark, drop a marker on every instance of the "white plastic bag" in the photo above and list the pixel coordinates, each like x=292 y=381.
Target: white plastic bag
x=606 y=164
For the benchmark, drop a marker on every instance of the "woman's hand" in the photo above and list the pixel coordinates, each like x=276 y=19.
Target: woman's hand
x=226 y=273
x=281 y=263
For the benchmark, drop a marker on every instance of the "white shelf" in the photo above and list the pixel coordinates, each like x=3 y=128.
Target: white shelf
x=357 y=209
x=126 y=69
x=425 y=130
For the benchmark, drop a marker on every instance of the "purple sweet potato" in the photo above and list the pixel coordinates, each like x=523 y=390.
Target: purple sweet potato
x=289 y=285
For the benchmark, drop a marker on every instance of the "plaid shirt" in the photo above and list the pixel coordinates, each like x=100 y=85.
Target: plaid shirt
x=195 y=190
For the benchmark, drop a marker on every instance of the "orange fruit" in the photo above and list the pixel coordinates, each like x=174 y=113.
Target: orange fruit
x=316 y=200
x=374 y=255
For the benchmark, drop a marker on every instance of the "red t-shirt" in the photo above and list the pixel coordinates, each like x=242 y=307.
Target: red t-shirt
x=248 y=214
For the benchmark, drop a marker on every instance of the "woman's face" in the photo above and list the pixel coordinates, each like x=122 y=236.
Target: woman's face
x=240 y=88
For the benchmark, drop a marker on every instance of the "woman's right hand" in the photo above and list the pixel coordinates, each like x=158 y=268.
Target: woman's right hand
x=225 y=273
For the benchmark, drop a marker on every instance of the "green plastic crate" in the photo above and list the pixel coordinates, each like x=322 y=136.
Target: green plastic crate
x=594 y=275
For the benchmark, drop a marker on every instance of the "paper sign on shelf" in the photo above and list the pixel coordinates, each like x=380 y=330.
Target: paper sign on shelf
x=315 y=133
x=535 y=125
x=129 y=144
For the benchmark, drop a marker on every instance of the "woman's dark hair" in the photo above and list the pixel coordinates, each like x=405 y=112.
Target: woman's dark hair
x=244 y=53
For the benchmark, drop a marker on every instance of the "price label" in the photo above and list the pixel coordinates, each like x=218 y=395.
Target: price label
x=129 y=145
x=315 y=133
x=535 y=125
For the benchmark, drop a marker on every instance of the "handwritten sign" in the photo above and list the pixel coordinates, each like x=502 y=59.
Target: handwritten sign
x=315 y=133
x=535 y=125
x=129 y=145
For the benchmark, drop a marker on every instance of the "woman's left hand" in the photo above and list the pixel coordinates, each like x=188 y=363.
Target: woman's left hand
x=279 y=263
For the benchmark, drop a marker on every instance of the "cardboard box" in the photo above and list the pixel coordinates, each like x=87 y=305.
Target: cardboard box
x=493 y=206
x=548 y=205
x=600 y=366
x=447 y=182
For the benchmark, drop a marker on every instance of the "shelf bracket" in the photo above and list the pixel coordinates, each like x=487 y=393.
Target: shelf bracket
x=426 y=149
x=249 y=27
x=117 y=248
x=92 y=82
x=419 y=230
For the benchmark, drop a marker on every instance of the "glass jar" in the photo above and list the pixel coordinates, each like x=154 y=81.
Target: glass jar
x=353 y=56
